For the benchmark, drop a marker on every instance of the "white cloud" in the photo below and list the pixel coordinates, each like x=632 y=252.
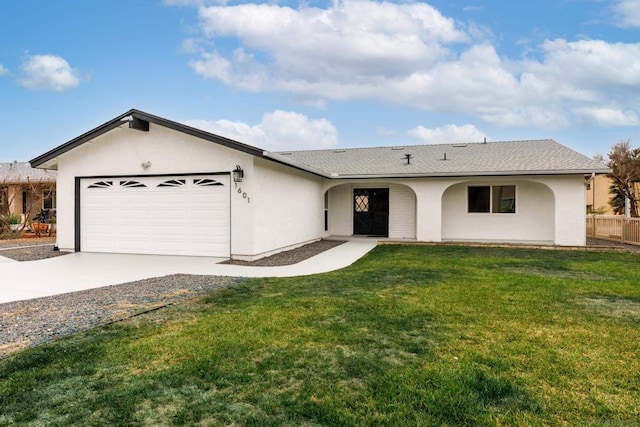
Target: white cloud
x=410 y=54
x=49 y=72
x=628 y=12
x=3 y=70
x=278 y=131
x=608 y=117
x=447 y=134
x=352 y=40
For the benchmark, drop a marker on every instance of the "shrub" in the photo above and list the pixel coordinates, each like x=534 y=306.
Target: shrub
x=14 y=219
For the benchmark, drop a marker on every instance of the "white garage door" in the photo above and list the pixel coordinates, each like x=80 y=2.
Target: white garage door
x=184 y=215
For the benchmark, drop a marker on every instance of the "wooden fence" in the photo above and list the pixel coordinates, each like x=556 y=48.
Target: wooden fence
x=617 y=228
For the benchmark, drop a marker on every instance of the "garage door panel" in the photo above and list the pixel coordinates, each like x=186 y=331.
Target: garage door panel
x=147 y=215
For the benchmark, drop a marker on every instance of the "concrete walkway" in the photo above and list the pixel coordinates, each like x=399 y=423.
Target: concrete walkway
x=80 y=271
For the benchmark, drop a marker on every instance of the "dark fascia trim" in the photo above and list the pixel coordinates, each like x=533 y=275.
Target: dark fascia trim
x=155 y=175
x=70 y=145
x=76 y=214
x=230 y=143
x=149 y=118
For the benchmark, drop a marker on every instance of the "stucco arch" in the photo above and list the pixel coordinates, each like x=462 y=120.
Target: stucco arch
x=339 y=207
x=533 y=222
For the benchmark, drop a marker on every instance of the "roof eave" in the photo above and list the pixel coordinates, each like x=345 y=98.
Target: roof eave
x=468 y=174
x=279 y=158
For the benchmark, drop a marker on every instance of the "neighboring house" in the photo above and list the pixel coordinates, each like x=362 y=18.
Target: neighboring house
x=25 y=190
x=143 y=184
x=598 y=195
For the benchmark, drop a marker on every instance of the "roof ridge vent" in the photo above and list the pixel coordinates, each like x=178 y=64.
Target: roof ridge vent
x=340 y=151
x=397 y=148
x=459 y=145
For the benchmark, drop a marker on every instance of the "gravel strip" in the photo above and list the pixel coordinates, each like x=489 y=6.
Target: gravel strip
x=25 y=324
x=31 y=253
x=609 y=243
x=293 y=256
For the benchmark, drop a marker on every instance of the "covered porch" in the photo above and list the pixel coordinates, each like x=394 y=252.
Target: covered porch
x=518 y=209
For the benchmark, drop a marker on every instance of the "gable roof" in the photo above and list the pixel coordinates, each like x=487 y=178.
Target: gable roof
x=137 y=119
x=484 y=159
x=22 y=173
x=528 y=157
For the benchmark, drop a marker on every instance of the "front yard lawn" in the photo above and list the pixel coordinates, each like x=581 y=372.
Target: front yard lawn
x=409 y=335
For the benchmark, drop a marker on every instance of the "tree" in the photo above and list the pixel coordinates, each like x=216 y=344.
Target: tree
x=36 y=191
x=625 y=164
x=617 y=201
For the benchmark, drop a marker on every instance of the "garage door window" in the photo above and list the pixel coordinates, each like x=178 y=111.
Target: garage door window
x=206 y=182
x=173 y=183
x=131 y=184
x=101 y=184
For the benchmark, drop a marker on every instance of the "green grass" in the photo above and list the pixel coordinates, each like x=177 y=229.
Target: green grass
x=409 y=335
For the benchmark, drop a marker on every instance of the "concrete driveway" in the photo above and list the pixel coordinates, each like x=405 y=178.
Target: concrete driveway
x=80 y=271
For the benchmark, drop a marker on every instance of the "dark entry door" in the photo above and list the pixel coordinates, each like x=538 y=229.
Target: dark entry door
x=371 y=211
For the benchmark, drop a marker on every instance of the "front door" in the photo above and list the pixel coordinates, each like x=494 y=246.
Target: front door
x=371 y=211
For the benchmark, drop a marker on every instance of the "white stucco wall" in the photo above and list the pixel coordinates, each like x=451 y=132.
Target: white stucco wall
x=563 y=224
x=533 y=221
x=288 y=206
x=122 y=151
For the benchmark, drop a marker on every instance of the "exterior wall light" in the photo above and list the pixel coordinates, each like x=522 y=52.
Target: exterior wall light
x=238 y=174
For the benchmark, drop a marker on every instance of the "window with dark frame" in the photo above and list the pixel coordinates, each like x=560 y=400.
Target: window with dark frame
x=48 y=200
x=479 y=199
x=491 y=199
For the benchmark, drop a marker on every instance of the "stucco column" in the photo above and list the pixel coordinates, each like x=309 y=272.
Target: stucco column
x=428 y=208
x=570 y=216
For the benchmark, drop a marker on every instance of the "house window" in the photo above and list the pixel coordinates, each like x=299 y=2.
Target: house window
x=362 y=202
x=491 y=199
x=48 y=200
x=3 y=199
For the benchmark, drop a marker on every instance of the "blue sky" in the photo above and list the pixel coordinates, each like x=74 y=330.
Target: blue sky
x=307 y=75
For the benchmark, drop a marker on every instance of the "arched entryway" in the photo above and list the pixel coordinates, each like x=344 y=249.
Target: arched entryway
x=379 y=209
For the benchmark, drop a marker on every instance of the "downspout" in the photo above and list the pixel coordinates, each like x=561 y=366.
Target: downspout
x=593 y=190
